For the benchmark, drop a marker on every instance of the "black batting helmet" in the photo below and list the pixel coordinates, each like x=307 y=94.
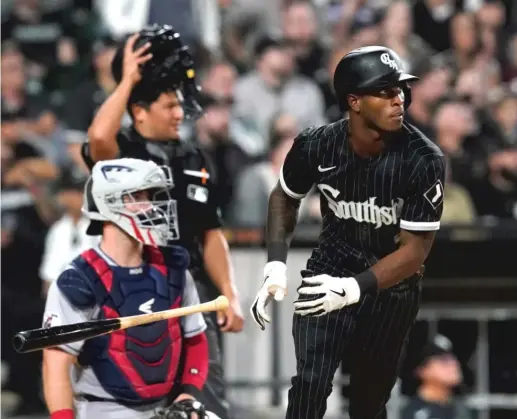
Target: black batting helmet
x=170 y=68
x=370 y=69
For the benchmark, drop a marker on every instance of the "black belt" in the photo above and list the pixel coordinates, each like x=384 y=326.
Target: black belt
x=128 y=403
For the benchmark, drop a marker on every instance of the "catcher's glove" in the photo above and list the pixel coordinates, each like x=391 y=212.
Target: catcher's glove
x=182 y=410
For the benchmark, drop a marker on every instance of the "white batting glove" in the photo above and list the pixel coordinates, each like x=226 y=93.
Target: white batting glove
x=322 y=294
x=275 y=285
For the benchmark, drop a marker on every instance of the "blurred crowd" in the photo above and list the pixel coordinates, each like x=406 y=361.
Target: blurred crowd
x=266 y=70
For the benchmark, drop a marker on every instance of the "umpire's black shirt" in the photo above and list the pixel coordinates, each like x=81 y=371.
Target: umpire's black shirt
x=365 y=202
x=194 y=187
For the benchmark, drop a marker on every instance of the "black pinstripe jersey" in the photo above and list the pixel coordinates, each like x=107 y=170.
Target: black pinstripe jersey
x=365 y=202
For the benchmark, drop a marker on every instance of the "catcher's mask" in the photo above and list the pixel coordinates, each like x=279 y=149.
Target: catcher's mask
x=170 y=69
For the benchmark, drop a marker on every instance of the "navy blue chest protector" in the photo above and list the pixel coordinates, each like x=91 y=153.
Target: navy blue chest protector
x=139 y=363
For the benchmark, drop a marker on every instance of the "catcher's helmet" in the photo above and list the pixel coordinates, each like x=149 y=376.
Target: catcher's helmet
x=170 y=68
x=370 y=69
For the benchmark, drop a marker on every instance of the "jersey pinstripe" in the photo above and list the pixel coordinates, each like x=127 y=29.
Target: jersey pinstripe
x=365 y=202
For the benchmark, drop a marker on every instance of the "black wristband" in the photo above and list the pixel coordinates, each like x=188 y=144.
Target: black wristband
x=367 y=281
x=277 y=252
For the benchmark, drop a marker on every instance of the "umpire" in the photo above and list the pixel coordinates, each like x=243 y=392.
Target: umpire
x=157 y=87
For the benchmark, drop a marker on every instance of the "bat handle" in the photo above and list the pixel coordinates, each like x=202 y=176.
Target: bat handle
x=221 y=303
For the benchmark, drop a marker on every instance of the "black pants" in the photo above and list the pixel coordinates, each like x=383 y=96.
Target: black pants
x=370 y=335
x=21 y=312
x=214 y=391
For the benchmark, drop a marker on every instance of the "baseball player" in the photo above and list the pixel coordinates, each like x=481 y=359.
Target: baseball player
x=126 y=374
x=381 y=184
x=157 y=86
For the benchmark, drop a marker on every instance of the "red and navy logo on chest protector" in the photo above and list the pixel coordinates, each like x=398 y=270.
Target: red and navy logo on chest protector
x=138 y=363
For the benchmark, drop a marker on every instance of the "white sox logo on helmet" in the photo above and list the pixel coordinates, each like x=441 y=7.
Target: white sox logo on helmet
x=387 y=60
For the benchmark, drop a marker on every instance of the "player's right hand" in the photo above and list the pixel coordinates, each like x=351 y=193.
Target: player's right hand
x=134 y=59
x=274 y=286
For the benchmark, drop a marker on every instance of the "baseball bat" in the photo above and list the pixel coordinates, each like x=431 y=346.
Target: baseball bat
x=37 y=339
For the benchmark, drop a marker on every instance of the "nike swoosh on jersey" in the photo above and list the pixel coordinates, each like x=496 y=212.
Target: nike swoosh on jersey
x=325 y=169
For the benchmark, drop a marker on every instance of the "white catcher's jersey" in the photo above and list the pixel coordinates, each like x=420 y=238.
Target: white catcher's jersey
x=60 y=311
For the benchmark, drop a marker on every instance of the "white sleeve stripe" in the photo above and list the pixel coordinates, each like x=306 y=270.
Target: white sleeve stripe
x=195 y=332
x=419 y=226
x=286 y=189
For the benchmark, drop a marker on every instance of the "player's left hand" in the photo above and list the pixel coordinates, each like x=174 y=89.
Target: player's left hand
x=321 y=294
x=184 y=397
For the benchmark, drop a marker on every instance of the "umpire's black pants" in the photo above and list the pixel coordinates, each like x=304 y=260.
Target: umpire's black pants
x=371 y=335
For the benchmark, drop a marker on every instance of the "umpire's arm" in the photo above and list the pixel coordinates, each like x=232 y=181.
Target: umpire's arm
x=419 y=221
x=216 y=256
x=102 y=134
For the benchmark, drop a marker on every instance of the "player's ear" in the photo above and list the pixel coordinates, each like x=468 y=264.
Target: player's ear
x=354 y=103
x=138 y=112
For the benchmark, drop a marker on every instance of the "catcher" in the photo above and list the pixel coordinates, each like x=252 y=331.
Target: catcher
x=127 y=374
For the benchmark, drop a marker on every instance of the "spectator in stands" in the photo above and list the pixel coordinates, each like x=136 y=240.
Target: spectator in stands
x=432 y=22
x=301 y=31
x=250 y=201
x=28 y=117
x=458 y=134
x=198 y=22
x=454 y=121
x=67 y=237
x=274 y=87
x=491 y=15
x=238 y=33
x=397 y=34
x=24 y=209
x=41 y=30
x=510 y=69
x=434 y=83
x=332 y=111
x=219 y=82
x=83 y=101
x=214 y=137
x=471 y=87
x=504 y=113
x=365 y=28
x=466 y=42
x=458 y=207
x=439 y=373
x=503 y=162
